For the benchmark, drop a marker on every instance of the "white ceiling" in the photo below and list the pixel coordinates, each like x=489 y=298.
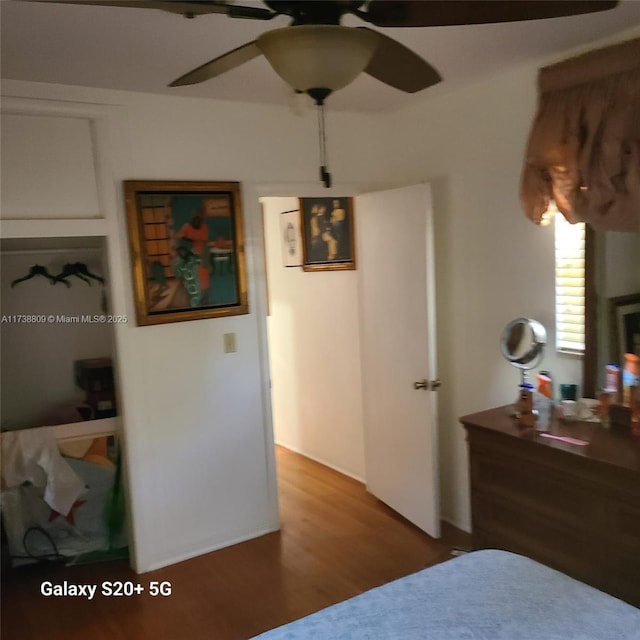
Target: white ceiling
x=144 y=50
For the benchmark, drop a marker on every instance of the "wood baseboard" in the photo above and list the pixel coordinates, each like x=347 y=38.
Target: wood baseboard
x=454 y=537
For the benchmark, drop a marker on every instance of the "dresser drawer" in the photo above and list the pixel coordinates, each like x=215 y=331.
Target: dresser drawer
x=540 y=489
x=620 y=574
x=512 y=527
x=624 y=525
x=573 y=508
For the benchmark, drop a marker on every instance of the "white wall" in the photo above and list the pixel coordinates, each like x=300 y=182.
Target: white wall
x=314 y=352
x=197 y=422
x=209 y=438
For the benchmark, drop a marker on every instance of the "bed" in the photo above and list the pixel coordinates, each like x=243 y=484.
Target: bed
x=483 y=595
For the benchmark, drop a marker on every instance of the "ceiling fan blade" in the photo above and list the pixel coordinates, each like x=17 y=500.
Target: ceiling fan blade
x=396 y=65
x=219 y=65
x=182 y=7
x=438 y=13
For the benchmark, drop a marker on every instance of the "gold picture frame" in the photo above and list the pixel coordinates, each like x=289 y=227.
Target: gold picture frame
x=328 y=234
x=187 y=250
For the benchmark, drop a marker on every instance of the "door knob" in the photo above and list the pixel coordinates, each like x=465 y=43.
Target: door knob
x=432 y=385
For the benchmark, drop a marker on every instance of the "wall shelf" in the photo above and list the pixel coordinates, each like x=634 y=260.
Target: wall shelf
x=87 y=429
x=84 y=429
x=53 y=228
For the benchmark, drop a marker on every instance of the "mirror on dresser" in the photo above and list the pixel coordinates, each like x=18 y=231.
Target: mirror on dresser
x=612 y=269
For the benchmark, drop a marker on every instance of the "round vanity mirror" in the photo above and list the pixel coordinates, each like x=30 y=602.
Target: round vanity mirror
x=523 y=341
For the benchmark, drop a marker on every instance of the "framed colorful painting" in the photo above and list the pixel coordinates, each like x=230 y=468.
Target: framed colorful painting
x=187 y=250
x=328 y=242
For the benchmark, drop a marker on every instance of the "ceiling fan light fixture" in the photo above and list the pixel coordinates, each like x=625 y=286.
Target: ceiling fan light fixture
x=313 y=57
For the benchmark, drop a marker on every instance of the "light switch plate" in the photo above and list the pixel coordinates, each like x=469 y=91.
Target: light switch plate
x=229 y=342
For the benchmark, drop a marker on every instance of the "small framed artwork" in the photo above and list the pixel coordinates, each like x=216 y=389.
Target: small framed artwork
x=328 y=239
x=187 y=250
x=625 y=326
x=291 y=238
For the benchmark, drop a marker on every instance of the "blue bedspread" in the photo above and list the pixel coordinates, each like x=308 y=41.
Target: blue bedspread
x=484 y=595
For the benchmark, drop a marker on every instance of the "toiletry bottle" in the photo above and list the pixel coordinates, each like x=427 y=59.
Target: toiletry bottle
x=630 y=379
x=547 y=392
x=544 y=384
x=543 y=401
x=542 y=409
x=604 y=398
x=612 y=381
x=524 y=408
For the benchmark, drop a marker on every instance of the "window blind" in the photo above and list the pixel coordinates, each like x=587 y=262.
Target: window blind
x=569 y=275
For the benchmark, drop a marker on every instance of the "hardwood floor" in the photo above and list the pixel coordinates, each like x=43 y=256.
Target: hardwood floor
x=336 y=541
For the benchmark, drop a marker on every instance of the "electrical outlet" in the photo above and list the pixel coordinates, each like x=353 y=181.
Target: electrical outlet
x=229 y=342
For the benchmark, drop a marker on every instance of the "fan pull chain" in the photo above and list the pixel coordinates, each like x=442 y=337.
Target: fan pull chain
x=325 y=176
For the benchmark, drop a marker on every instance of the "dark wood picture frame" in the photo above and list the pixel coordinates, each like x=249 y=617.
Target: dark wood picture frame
x=625 y=325
x=328 y=234
x=187 y=250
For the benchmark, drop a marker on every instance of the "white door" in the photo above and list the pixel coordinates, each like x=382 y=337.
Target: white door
x=395 y=267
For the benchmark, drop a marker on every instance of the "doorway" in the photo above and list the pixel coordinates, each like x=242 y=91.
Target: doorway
x=314 y=353
x=322 y=339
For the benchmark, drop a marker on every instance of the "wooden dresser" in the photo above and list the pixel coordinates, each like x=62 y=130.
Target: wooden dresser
x=574 y=508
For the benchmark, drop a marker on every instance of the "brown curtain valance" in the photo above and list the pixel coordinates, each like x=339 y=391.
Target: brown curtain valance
x=584 y=147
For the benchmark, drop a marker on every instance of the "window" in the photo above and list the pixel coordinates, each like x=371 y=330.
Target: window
x=569 y=243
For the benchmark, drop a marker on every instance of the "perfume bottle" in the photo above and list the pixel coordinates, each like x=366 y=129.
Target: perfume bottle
x=630 y=375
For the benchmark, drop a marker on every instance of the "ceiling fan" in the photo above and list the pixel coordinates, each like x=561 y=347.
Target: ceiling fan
x=316 y=55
